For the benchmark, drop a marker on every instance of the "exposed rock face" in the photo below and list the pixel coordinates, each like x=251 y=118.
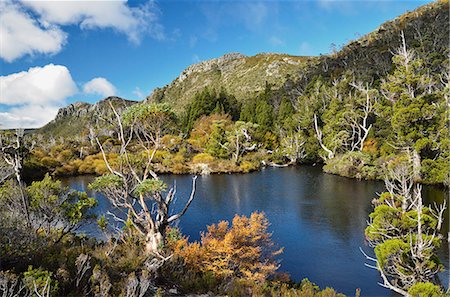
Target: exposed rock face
x=82 y=109
x=225 y=63
x=79 y=116
x=77 y=109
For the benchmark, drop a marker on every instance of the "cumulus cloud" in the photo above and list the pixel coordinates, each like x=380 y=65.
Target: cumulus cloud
x=39 y=85
x=33 y=97
x=35 y=27
x=132 y=21
x=20 y=34
x=99 y=86
x=27 y=116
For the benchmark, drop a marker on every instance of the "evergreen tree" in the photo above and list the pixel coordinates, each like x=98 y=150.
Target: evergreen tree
x=217 y=142
x=285 y=111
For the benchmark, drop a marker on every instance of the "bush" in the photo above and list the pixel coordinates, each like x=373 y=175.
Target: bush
x=436 y=171
x=41 y=280
x=425 y=290
x=352 y=164
x=247 y=166
x=243 y=250
x=202 y=158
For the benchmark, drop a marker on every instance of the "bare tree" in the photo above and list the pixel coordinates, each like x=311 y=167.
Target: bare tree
x=292 y=145
x=6 y=171
x=12 y=153
x=131 y=185
x=360 y=125
x=407 y=64
x=137 y=286
x=319 y=136
x=83 y=264
x=12 y=286
x=240 y=139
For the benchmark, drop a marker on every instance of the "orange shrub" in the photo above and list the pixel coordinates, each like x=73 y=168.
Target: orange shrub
x=202 y=129
x=244 y=250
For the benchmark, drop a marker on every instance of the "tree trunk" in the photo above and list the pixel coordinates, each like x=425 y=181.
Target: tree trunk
x=155 y=241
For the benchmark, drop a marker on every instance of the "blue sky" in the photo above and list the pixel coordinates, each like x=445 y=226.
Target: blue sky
x=55 y=53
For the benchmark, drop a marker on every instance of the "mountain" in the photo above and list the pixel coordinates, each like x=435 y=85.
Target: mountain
x=369 y=58
x=425 y=29
x=77 y=118
x=240 y=75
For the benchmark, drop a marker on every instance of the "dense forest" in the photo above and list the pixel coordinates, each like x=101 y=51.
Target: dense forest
x=377 y=109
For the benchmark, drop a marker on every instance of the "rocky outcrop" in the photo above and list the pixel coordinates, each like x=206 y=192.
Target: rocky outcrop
x=77 y=117
x=83 y=109
x=77 y=109
x=224 y=63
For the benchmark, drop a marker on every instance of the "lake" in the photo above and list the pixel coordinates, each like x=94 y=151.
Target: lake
x=318 y=218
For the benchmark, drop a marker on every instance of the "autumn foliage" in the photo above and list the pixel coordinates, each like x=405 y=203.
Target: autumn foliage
x=243 y=250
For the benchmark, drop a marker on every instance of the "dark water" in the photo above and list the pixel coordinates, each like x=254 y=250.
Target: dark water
x=318 y=218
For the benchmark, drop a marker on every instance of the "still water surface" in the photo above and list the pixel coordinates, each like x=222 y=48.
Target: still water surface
x=318 y=218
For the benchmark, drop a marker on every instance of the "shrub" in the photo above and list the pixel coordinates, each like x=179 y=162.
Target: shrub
x=243 y=250
x=425 y=290
x=40 y=280
x=352 y=164
x=247 y=166
x=202 y=158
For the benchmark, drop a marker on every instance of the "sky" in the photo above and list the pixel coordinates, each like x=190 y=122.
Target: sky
x=53 y=53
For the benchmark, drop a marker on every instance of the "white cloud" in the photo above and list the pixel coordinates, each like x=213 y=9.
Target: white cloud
x=39 y=85
x=35 y=27
x=33 y=97
x=28 y=116
x=100 y=86
x=116 y=14
x=20 y=34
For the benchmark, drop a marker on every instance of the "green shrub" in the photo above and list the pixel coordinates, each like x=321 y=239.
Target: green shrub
x=352 y=164
x=425 y=290
x=202 y=158
x=41 y=280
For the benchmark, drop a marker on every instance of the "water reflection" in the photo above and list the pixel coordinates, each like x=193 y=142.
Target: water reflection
x=318 y=218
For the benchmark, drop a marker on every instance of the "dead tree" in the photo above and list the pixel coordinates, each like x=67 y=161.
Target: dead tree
x=241 y=139
x=360 y=124
x=319 y=136
x=12 y=153
x=292 y=144
x=132 y=186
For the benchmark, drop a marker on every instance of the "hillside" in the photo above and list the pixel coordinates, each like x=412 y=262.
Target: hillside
x=240 y=75
x=425 y=29
x=77 y=118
